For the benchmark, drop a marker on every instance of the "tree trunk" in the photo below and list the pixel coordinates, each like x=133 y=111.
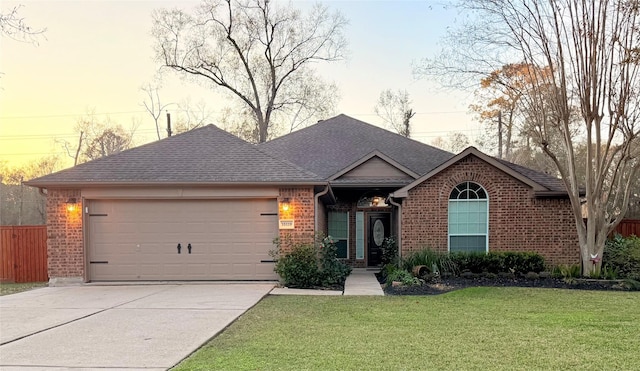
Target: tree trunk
x=591 y=250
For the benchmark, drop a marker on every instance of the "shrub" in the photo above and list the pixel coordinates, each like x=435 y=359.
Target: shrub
x=401 y=275
x=498 y=262
x=523 y=262
x=623 y=255
x=299 y=267
x=473 y=262
x=332 y=271
x=609 y=273
x=310 y=265
x=429 y=258
x=567 y=271
x=389 y=250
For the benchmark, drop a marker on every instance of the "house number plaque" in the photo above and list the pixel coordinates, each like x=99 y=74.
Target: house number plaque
x=287 y=224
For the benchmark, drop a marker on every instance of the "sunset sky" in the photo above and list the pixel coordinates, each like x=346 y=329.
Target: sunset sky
x=95 y=55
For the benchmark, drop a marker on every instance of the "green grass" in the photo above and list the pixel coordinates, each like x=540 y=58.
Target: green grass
x=471 y=329
x=12 y=288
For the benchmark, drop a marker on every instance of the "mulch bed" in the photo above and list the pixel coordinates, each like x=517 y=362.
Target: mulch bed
x=444 y=285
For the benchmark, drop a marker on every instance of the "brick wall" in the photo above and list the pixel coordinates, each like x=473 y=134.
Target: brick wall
x=301 y=211
x=517 y=220
x=64 y=236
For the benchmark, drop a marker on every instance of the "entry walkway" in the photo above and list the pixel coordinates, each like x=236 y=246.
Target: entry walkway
x=360 y=282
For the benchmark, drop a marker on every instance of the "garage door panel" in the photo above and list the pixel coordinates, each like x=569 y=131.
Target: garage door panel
x=139 y=239
x=264 y=270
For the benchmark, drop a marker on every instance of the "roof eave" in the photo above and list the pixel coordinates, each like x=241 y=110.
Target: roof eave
x=367 y=185
x=404 y=192
x=551 y=194
x=85 y=184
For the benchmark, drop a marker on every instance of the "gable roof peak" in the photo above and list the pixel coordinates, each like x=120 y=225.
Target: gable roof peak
x=539 y=182
x=333 y=144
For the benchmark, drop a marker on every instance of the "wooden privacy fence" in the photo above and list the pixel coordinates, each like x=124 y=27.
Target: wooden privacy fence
x=627 y=227
x=23 y=253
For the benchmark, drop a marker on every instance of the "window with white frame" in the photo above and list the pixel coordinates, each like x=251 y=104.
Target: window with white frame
x=339 y=231
x=468 y=218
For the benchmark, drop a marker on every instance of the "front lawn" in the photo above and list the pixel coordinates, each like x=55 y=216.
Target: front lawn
x=12 y=288
x=476 y=328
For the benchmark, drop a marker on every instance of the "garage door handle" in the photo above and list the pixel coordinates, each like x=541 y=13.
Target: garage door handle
x=189 y=248
x=179 y=248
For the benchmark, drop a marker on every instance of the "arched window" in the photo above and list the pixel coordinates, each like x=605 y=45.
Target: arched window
x=468 y=218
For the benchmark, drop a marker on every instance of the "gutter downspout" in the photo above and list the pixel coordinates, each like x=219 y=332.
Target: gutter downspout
x=316 y=205
x=399 y=206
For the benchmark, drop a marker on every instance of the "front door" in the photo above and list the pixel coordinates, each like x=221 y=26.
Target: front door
x=379 y=229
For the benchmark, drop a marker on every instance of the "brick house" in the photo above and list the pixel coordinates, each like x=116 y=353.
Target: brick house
x=205 y=205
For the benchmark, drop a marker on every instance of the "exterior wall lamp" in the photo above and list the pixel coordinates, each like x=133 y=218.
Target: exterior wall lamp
x=286 y=204
x=71 y=204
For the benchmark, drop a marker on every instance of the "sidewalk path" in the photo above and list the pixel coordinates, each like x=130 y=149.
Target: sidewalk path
x=360 y=282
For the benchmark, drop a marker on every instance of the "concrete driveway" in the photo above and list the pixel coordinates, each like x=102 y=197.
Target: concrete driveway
x=149 y=327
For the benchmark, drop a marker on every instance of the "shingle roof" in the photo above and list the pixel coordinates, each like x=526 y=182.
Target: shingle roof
x=552 y=183
x=209 y=155
x=201 y=156
x=331 y=145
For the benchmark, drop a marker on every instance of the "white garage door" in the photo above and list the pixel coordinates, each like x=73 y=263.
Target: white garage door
x=131 y=240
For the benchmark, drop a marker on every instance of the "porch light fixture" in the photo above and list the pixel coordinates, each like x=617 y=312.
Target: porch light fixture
x=285 y=204
x=71 y=204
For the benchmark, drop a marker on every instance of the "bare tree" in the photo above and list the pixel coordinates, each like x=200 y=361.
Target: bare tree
x=97 y=138
x=238 y=121
x=153 y=105
x=454 y=142
x=19 y=204
x=73 y=152
x=394 y=108
x=592 y=51
x=15 y=27
x=107 y=142
x=191 y=116
x=317 y=100
x=257 y=51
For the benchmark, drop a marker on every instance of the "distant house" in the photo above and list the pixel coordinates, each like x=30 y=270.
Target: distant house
x=205 y=205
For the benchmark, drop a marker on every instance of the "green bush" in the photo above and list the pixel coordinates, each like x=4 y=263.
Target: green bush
x=515 y=263
x=469 y=262
x=567 y=271
x=389 y=250
x=299 y=267
x=311 y=265
x=401 y=275
x=332 y=271
x=429 y=258
x=623 y=255
x=519 y=263
x=523 y=262
x=609 y=273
